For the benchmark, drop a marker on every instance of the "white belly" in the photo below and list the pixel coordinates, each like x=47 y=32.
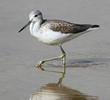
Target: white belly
x=50 y=37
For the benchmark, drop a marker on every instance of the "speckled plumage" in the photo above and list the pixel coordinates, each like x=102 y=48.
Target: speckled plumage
x=66 y=27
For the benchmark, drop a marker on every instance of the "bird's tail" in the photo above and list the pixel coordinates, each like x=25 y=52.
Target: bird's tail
x=94 y=27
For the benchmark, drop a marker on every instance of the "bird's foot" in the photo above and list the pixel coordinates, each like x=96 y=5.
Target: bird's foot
x=39 y=66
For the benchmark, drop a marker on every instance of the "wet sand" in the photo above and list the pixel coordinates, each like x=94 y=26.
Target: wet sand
x=88 y=60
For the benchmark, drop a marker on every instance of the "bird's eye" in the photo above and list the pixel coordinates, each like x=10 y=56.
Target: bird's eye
x=35 y=15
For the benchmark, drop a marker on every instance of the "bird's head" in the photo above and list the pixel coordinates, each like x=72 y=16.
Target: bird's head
x=34 y=16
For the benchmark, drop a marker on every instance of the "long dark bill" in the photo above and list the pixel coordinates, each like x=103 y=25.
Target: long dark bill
x=25 y=26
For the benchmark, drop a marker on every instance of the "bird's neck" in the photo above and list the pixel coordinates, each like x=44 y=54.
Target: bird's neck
x=35 y=26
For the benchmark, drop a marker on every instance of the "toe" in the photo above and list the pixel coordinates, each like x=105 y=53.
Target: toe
x=40 y=67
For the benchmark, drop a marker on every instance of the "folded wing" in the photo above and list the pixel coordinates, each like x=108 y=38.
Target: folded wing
x=68 y=28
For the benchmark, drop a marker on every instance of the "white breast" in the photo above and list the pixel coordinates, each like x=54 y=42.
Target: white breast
x=47 y=36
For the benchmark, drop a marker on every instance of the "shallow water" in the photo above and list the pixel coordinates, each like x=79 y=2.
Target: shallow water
x=88 y=57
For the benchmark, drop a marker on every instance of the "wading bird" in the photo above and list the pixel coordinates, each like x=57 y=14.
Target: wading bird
x=55 y=32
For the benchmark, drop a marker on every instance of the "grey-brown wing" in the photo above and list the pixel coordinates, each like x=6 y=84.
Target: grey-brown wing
x=66 y=27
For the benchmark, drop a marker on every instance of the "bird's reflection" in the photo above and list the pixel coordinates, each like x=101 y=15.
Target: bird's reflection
x=57 y=91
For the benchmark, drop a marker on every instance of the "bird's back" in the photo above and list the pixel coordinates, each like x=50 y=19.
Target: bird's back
x=66 y=27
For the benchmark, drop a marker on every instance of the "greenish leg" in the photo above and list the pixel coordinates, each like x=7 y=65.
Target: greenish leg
x=60 y=81
x=64 y=61
x=63 y=56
